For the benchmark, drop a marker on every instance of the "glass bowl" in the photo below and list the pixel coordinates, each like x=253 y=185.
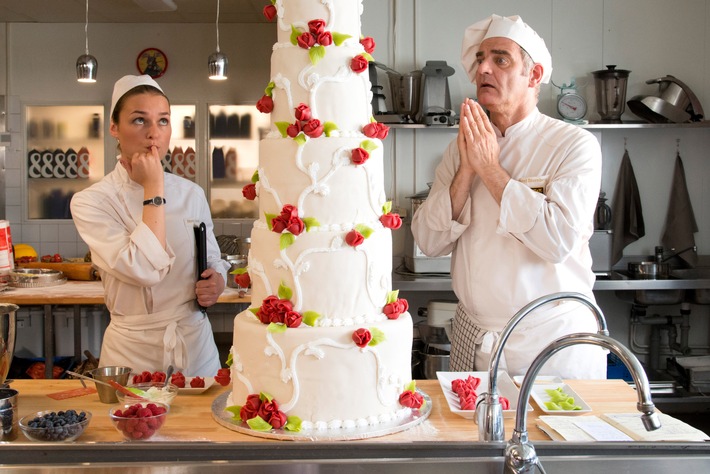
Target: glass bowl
x=154 y=392
x=138 y=421
x=55 y=426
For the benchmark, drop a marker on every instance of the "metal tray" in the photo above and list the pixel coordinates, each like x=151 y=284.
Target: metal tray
x=35 y=277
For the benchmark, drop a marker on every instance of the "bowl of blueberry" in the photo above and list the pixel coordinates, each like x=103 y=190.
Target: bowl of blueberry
x=53 y=426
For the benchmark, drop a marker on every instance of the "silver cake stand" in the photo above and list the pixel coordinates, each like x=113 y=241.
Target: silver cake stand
x=415 y=417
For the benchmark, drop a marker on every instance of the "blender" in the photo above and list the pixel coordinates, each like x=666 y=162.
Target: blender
x=611 y=93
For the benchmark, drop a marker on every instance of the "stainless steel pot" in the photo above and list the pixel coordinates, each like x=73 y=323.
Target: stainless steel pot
x=649 y=270
x=8 y=321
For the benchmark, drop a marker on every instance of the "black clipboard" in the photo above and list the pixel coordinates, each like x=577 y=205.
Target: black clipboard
x=201 y=250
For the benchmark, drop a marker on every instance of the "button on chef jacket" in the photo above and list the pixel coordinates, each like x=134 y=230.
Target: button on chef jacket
x=149 y=290
x=534 y=243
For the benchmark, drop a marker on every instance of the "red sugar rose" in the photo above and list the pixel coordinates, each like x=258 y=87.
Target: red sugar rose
x=393 y=310
x=197 y=382
x=302 y=112
x=354 y=238
x=293 y=319
x=316 y=27
x=178 y=379
x=362 y=337
x=249 y=191
x=288 y=220
x=325 y=38
x=250 y=408
x=158 y=376
x=277 y=420
x=411 y=399
x=294 y=129
x=359 y=156
x=306 y=40
x=376 y=130
x=313 y=128
x=265 y=105
x=391 y=221
x=368 y=43
x=269 y=12
x=243 y=280
x=359 y=64
x=223 y=377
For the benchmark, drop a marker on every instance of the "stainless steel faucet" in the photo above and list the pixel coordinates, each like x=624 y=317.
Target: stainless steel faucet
x=520 y=456
x=489 y=412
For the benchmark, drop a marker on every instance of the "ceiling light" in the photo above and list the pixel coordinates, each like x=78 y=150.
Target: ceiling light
x=217 y=62
x=86 y=65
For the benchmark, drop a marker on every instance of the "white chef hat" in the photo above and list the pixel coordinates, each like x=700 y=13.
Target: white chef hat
x=127 y=83
x=511 y=27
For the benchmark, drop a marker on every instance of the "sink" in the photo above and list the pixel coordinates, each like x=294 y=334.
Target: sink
x=695 y=295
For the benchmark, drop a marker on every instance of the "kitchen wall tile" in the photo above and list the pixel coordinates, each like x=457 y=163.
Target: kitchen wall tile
x=65 y=249
x=13 y=213
x=48 y=233
x=67 y=233
x=30 y=232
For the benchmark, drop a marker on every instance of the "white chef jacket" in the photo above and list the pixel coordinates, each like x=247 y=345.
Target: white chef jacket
x=149 y=290
x=533 y=244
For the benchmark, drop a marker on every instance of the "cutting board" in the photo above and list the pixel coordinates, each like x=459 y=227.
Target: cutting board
x=73 y=271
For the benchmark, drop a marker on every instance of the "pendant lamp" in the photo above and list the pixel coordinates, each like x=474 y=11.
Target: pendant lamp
x=86 y=65
x=217 y=62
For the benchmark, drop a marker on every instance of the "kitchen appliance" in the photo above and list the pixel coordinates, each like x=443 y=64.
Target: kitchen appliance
x=600 y=248
x=610 y=86
x=435 y=108
x=402 y=90
x=415 y=260
x=675 y=103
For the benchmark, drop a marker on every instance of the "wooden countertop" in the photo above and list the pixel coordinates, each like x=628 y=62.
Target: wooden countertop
x=83 y=293
x=191 y=418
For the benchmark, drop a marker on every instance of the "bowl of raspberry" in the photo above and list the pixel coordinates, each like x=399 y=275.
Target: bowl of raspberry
x=138 y=421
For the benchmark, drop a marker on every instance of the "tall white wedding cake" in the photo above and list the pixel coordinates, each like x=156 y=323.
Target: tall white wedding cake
x=326 y=343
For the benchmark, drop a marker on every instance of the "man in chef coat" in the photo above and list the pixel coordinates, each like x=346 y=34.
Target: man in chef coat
x=514 y=199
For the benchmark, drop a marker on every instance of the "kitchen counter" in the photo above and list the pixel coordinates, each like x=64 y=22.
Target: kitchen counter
x=192 y=436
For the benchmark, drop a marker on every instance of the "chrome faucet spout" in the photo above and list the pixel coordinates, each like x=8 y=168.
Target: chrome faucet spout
x=489 y=413
x=520 y=454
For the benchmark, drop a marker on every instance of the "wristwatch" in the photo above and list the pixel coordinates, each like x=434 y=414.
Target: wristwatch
x=155 y=201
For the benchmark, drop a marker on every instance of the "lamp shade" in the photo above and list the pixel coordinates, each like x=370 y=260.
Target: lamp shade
x=86 y=68
x=217 y=65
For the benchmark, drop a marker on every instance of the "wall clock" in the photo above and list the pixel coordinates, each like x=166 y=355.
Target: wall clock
x=153 y=62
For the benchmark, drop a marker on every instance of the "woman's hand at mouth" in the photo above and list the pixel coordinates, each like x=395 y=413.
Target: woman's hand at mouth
x=146 y=169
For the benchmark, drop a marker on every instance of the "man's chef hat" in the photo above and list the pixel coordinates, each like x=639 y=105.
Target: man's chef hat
x=511 y=27
x=127 y=83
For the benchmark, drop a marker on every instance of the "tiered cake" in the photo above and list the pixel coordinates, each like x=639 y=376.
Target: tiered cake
x=326 y=343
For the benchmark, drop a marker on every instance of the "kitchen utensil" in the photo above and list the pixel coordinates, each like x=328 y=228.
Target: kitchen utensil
x=73 y=271
x=8 y=414
x=168 y=374
x=405 y=89
x=435 y=108
x=201 y=251
x=675 y=103
x=649 y=270
x=415 y=260
x=602 y=214
x=149 y=391
x=115 y=377
x=35 y=278
x=8 y=321
x=611 y=93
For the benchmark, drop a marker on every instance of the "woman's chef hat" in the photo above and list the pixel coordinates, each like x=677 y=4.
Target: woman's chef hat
x=511 y=27
x=127 y=83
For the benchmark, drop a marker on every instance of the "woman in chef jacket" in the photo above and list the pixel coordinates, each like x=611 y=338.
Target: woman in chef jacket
x=138 y=222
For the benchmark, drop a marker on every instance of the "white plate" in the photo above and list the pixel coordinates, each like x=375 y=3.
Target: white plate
x=540 y=396
x=506 y=388
x=194 y=391
x=540 y=379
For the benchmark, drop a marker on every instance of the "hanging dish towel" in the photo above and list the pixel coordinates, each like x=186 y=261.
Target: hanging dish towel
x=627 y=215
x=680 y=219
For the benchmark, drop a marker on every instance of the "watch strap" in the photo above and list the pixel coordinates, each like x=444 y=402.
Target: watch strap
x=155 y=201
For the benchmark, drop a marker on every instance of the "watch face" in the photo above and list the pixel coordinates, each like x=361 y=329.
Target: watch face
x=571 y=106
x=157 y=200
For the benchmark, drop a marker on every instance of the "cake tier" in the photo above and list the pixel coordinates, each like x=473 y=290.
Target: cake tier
x=345 y=285
x=330 y=88
x=320 y=180
x=345 y=19
x=320 y=375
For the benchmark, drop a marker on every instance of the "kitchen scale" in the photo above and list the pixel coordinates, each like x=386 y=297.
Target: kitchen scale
x=571 y=105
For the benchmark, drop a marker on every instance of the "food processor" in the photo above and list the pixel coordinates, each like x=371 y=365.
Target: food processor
x=610 y=86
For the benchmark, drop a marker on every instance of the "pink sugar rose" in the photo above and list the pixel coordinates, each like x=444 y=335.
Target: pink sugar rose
x=325 y=38
x=303 y=112
x=359 y=156
x=313 y=128
x=293 y=319
x=306 y=40
x=362 y=337
x=294 y=129
x=277 y=420
x=316 y=27
x=376 y=130
x=269 y=12
x=354 y=238
x=359 y=64
x=368 y=43
x=250 y=409
x=394 y=310
x=391 y=221
x=249 y=191
x=265 y=105
x=411 y=399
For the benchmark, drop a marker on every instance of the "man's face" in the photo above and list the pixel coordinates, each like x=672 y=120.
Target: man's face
x=502 y=81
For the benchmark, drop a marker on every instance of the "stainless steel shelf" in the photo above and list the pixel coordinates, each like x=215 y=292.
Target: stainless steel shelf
x=627 y=125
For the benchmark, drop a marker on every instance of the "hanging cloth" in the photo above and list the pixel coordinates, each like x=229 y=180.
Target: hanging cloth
x=680 y=219
x=627 y=214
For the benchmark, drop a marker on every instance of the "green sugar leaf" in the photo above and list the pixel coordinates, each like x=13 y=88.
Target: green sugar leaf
x=387 y=208
x=368 y=56
x=258 y=424
x=255 y=177
x=239 y=271
x=392 y=296
x=328 y=128
x=310 y=222
x=295 y=33
x=301 y=138
x=254 y=310
x=368 y=145
x=265 y=396
x=287 y=239
x=234 y=410
x=377 y=337
x=364 y=230
x=339 y=38
x=269 y=218
x=276 y=328
x=293 y=423
x=285 y=293
x=230 y=360
x=269 y=88
x=316 y=53
x=310 y=318
x=281 y=127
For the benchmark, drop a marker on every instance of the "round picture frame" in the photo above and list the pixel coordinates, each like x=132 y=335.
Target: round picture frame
x=153 y=62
